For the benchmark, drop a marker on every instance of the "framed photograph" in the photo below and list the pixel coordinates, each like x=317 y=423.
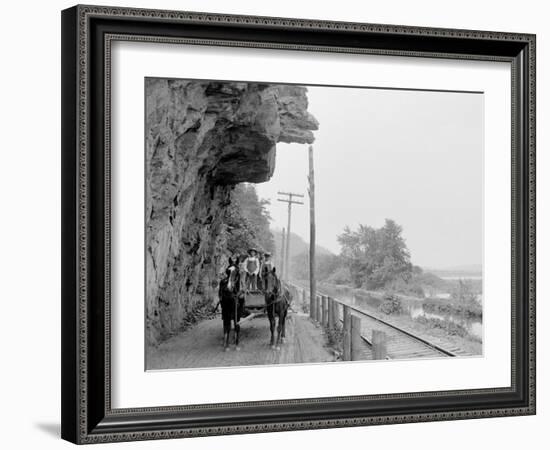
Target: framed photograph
x=279 y=224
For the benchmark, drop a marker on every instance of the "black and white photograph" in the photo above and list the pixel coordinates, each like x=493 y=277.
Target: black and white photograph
x=275 y=225
x=299 y=224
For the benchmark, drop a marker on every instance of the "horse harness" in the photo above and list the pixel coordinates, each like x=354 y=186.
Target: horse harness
x=279 y=299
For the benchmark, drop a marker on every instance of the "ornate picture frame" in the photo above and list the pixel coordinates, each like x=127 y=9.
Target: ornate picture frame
x=87 y=35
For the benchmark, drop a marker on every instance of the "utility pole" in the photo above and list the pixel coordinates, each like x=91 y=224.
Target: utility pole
x=311 y=192
x=282 y=265
x=289 y=199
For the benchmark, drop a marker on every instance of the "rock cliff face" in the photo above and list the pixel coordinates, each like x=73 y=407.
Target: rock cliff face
x=202 y=138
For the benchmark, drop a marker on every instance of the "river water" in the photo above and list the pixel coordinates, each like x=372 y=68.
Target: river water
x=411 y=307
x=473 y=326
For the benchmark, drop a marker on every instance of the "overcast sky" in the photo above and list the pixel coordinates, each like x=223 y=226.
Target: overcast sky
x=415 y=157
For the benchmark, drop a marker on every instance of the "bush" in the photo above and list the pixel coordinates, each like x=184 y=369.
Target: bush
x=469 y=310
x=391 y=304
x=340 y=276
x=451 y=328
x=335 y=338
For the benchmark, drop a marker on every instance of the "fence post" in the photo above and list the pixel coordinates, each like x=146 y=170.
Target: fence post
x=330 y=312
x=355 y=338
x=314 y=308
x=325 y=310
x=347 y=333
x=311 y=306
x=379 y=344
x=318 y=308
x=335 y=314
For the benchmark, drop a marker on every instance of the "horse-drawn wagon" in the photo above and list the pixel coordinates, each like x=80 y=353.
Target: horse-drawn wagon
x=254 y=300
x=234 y=302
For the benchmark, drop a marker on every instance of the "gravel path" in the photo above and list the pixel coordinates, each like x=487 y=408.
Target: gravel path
x=202 y=345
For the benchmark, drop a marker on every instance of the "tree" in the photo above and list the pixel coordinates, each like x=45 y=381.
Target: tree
x=376 y=257
x=247 y=221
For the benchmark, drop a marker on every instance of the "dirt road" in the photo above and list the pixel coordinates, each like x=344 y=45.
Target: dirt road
x=202 y=345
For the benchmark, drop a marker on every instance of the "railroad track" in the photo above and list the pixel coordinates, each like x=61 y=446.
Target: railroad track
x=401 y=343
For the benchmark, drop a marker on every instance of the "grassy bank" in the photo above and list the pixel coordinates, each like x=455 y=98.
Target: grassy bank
x=467 y=309
x=393 y=310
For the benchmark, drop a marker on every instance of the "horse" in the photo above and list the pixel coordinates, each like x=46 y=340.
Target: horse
x=277 y=303
x=231 y=302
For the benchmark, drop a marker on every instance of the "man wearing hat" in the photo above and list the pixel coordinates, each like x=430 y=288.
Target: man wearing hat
x=267 y=264
x=252 y=268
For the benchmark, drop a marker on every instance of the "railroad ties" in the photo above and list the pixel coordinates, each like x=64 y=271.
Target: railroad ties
x=399 y=343
x=381 y=339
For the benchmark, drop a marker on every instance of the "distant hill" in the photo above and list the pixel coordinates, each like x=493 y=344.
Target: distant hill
x=473 y=268
x=297 y=245
x=463 y=271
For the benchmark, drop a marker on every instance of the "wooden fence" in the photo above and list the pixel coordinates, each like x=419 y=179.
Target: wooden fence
x=337 y=316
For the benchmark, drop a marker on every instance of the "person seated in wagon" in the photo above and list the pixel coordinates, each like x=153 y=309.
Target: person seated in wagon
x=252 y=269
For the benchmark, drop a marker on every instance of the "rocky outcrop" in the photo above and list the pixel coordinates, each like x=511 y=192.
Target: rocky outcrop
x=202 y=138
